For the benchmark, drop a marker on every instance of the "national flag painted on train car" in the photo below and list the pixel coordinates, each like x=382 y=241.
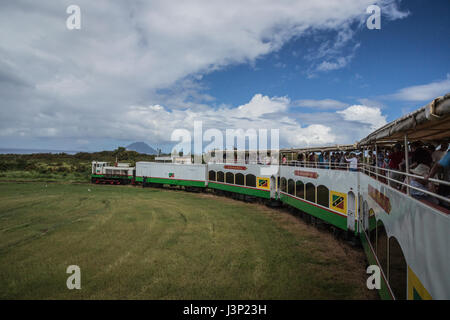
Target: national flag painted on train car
x=338 y=201
x=263 y=183
x=171 y=175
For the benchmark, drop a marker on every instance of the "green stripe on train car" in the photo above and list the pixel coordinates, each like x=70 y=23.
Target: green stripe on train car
x=384 y=291
x=241 y=190
x=334 y=219
x=176 y=182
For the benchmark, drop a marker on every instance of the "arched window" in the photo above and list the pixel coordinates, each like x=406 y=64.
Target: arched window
x=230 y=177
x=323 y=196
x=372 y=228
x=291 y=186
x=283 y=185
x=220 y=176
x=365 y=216
x=300 y=189
x=239 y=179
x=212 y=175
x=397 y=269
x=382 y=243
x=250 y=180
x=310 y=192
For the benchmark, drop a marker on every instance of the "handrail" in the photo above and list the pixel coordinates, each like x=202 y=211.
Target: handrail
x=364 y=167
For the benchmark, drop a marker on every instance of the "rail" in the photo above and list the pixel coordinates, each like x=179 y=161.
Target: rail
x=380 y=174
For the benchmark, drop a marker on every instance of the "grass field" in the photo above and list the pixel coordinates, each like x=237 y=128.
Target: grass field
x=134 y=243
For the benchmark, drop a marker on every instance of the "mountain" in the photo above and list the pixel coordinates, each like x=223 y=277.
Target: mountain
x=141 y=147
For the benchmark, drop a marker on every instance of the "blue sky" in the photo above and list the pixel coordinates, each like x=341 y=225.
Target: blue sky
x=404 y=53
x=138 y=72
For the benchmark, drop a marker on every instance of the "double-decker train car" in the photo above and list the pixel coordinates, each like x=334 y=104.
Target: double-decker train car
x=406 y=237
x=329 y=195
x=249 y=180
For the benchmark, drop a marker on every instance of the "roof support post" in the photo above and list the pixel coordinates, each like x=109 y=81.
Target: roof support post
x=364 y=158
x=329 y=160
x=407 y=164
x=376 y=160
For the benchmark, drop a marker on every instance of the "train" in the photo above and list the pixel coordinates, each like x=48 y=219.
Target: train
x=408 y=239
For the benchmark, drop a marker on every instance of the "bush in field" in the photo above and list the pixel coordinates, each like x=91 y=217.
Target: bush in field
x=81 y=168
x=31 y=167
x=62 y=169
x=21 y=164
x=43 y=170
x=4 y=166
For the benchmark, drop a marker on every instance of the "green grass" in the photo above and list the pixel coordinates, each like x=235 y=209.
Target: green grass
x=28 y=176
x=134 y=243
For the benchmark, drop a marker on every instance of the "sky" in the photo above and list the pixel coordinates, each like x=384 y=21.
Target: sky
x=139 y=70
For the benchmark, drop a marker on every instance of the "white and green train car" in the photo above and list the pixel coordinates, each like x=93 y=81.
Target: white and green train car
x=408 y=239
x=252 y=180
x=188 y=175
x=329 y=195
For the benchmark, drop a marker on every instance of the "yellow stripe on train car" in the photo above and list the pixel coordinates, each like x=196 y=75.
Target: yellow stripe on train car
x=416 y=291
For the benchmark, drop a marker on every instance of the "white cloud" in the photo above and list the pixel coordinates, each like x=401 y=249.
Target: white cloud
x=261 y=112
x=321 y=104
x=79 y=84
x=425 y=92
x=365 y=115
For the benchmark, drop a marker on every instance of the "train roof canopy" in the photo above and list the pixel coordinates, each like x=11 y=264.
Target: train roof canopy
x=429 y=123
x=346 y=147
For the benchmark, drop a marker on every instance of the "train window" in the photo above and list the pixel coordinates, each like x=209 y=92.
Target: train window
x=323 y=196
x=291 y=187
x=250 y=180
x=212 y=175
x=229 y=177
x=372 y=228
x=310 y=192
x=283 y=185
x=382 y=245
x=239 y=179
x=397 y=269
x=300 y=189
x=220 y=176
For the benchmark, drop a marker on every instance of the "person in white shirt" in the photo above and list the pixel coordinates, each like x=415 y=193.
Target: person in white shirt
x=353 y=162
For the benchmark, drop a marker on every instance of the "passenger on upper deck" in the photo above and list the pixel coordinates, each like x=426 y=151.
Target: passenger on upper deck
x=395 y=159
x=440 y=153
x=420 y=170
x=442 y=165
x=353 y=162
